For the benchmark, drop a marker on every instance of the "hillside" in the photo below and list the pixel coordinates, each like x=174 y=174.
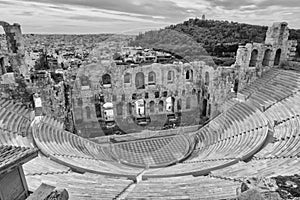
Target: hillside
x=173 y=41
x=220 y=39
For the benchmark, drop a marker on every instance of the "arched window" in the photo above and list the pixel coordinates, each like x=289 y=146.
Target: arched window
x=151 y=78
x=133 y=97
x=206 y=78
x=140 y=80
x=127 y=78
x=161 y=106
x=188 y=103
x=152 y=106
x=129 y=109
x=106 y=79
x=277 y=57
x=120 y=109
x=165 y=94
x=267 y=56
x=189 y=75
x=88 y=112
x=170 y=77
x=253 y=58
x=179 y=103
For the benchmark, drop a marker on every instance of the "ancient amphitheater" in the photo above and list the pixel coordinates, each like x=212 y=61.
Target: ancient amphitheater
x=255 y=136
x=211 y=162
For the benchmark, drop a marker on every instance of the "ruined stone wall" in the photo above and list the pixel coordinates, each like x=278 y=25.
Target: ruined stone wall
x=53 y=95
x=121 y=94
x=254 y=58
x=13 y=66
x=15 y=47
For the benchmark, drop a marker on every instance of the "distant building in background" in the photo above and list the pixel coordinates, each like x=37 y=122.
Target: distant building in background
x=203 y=17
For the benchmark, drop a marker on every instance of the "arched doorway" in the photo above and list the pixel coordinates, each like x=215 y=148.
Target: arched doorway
x=88 y=112
x=204 y=107
x=170 y=102
x=188 y=103
x=253 y=59
x=277 y=57
x=236 y=85
x=152 y=107
x=206 y=78
x=129 y=109
x=140 y=108
x=161 y=106
x=267 y=56
x=108 y=111
x=179 y=103
x=189 y=75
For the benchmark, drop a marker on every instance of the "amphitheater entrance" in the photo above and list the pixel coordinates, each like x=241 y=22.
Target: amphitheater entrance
x=236 y=85
x=267 y=57
x=109 y=116
x=2 y=66
x=204 y=108
x=253 y=59
x=98 y=110
x=141 y=117
x=171 y=115
x=277 y=57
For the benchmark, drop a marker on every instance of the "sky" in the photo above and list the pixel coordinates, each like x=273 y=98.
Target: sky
x=134 y=16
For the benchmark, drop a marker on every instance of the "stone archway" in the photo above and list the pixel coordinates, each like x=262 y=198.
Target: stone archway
x=267 y=57
x=253 y=59
x=277 y=57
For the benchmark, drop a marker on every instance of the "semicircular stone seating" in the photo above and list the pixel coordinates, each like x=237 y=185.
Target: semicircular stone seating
x=78 y=153
x=235 y=135
x=14 y=117
x=257 y=137
x=155 y=152
x=187 y=187
x=44 y=170
x=280 y=155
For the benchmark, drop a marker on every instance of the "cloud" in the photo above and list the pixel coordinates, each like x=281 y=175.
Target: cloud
x=165 y=8
x=60 y=8
x=26 y=13
x=6 y=3
x=94 y=16
x=230 y=4
x=282 y=3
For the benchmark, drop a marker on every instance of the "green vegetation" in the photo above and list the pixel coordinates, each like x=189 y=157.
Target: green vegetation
x=172 y=41
x=220 y=39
